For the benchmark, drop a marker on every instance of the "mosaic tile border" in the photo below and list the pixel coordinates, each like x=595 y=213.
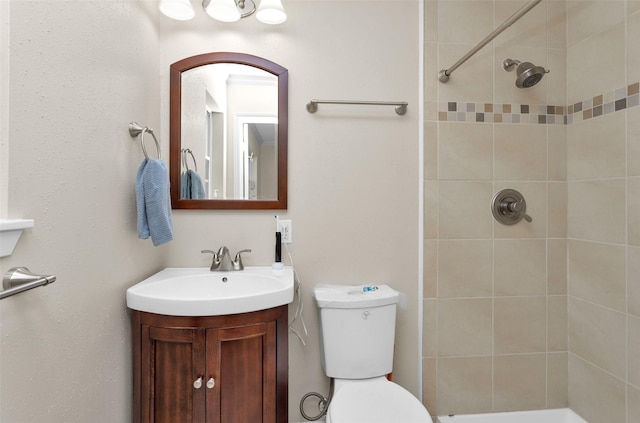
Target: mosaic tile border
x=614 y=101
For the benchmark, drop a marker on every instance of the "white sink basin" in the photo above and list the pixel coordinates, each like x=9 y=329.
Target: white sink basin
x=200 y=292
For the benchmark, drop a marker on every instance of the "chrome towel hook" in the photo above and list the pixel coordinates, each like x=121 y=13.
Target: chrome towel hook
x=135 y=130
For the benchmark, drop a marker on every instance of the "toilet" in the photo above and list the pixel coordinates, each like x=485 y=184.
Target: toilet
x=357 y=334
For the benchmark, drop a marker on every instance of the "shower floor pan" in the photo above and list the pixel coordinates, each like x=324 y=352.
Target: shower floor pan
x=561 y=415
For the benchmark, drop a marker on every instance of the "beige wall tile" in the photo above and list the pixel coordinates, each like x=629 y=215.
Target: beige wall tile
x=430 y=150
x=431 y=20
x=463 y=210
x=521 y=152
x=596 y=148
x=633 y=281
x=520 y=267
x=465 y=21
x=465 y=268
x=520 y=325
x=597 y=54
x=557 y=151
x=464 y=385
x=556 y=80
x=587 y=18
x=535 y=194
x=633 y=141
x=633 y=354
x=429 y=384
x=557 y=323
x=430 y=328
x=633 y=402
x=557 y=24
x=633 y=47
x=633 y=211
x=557 y=380
x=590 y=214
x=556 y=266
x=471 y=82
x=633 y=6
x=598 y=334
x=557 y=194
x=464 y=327
x=430 y=209
x=519 y=382
x=431 y=68
x=430 y=269
x=465 y=151
x=597 y=273
x=530 y=30
x=594 y=394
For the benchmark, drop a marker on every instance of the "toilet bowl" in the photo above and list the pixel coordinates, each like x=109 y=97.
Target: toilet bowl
x=357 y=328
x=374 y=400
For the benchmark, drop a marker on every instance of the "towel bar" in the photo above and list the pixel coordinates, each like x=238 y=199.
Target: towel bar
x=401 y=106
x=20 y=279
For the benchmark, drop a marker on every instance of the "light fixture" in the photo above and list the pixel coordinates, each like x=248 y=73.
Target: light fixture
x=269 y=11
x=180 y=10
x=222 y=10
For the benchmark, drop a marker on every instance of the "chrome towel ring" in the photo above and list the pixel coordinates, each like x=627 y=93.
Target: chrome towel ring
x=135 y=130
x=186 y=151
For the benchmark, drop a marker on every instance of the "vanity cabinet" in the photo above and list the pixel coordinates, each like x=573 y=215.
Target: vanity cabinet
x=210 y=369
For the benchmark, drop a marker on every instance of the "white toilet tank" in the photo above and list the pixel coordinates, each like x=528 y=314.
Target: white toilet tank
x=357 y=329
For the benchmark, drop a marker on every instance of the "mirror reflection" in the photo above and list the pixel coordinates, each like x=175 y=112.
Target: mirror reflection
x=228 y=132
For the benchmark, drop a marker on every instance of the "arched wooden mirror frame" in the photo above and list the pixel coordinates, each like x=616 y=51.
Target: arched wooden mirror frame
x=175 y=122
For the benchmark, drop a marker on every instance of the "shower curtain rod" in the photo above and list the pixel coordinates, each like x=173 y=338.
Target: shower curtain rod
x=443 y=75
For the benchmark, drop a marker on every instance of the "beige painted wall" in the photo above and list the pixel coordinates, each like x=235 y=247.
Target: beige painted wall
x=81 y=71
x=353 y=186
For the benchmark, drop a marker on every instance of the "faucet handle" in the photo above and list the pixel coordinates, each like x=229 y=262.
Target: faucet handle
x=215 y=263
x=237 y=261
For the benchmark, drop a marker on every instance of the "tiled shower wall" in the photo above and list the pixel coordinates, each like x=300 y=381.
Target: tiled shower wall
x=495 y=304
x=503 y=330
x=603 y=173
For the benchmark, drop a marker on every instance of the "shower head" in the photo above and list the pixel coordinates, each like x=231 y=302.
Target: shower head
x=528 y=73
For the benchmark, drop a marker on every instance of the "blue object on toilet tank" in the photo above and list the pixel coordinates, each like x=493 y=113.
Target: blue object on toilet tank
x=355 y=296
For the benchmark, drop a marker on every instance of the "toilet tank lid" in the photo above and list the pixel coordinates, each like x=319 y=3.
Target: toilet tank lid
x=354 y=296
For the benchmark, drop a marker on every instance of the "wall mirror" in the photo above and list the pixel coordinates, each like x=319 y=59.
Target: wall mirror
x=228 y=132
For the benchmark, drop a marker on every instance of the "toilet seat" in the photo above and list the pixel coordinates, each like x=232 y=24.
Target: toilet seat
x=375 y=401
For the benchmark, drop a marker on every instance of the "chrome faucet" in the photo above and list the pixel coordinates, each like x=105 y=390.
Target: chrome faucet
x=222 y=260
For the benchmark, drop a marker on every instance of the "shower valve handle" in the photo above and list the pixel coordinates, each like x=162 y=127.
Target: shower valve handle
x=517 y=207
x=509 y=207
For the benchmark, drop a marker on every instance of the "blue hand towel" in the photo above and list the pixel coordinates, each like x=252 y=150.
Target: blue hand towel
x=184 y=186
x=154 y=202
x=196 y=186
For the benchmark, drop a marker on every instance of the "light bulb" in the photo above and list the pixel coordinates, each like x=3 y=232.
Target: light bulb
x=180 y=10
x=271 y=12
x=222 y=10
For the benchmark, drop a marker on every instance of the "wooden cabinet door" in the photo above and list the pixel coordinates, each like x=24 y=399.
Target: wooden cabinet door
x=242 y=360
x=172 y=360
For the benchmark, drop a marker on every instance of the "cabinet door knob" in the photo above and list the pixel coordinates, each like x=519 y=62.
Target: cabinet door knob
x=211 y=383
x=198 y=383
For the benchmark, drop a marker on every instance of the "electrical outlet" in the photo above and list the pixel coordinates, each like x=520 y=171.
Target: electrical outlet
x=286 y=231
